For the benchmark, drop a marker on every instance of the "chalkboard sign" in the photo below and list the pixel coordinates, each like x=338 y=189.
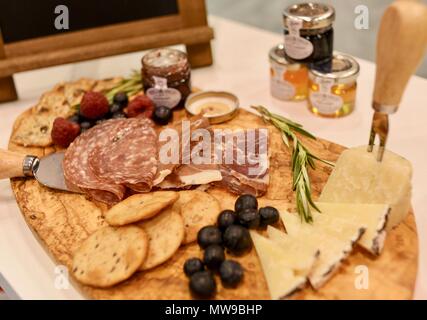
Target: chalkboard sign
x=37 y=34
x=27 y=19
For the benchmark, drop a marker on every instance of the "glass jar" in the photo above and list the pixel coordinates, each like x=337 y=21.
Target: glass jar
x=309 y=36
x=166 y=77
x=288 y=81
x=333 y=94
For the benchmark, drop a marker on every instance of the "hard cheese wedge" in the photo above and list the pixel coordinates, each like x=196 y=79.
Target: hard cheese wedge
x=306 y=256
x=333 y=226
x=371 y=216
x=359 y=178
x=333 y=249
x=282 y=280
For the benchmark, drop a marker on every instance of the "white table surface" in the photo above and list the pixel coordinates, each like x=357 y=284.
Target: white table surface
x=240 y=66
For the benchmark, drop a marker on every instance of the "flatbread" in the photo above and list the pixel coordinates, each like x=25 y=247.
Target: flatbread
x=139 y=207
x=33 y=130
x=165 y=234
x=110 y=255
x=74 y=91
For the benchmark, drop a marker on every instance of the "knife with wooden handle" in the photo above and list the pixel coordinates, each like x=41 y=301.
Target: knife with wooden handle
x=401 y=45
x=47 y=170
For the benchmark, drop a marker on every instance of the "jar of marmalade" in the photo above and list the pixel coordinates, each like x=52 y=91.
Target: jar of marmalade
x=288 y=81
x=333 y=94
x=166 y=77
x=309 y=36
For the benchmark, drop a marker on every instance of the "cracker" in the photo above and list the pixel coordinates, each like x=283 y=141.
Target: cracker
x=34 y=131
x=139 y=207
x=184 y=197
x=54 y=103
x=110 y=255
x=74 y=91
x=165 y=234
x=105 y=85
x=200 y=211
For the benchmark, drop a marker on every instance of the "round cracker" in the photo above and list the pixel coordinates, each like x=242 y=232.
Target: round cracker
x=139 y=207
x=200 y=211
x=165 y=234
x=110 y=255
x=184 y=197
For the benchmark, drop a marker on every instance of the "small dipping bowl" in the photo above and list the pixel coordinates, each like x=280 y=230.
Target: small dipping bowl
x=218 y=106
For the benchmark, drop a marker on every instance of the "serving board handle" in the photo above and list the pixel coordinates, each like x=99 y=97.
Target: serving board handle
x=11 y=164
x=401 y=44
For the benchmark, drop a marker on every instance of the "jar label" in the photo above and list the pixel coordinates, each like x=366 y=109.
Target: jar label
x=279 y=87
x=325 y=101
x=161 y=95
x=297 y=47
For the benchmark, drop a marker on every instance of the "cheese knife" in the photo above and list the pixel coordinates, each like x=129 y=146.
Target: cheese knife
x=401 y=44
x=47 y=170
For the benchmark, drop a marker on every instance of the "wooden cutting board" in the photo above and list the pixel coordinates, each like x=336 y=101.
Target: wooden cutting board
x=63 y=220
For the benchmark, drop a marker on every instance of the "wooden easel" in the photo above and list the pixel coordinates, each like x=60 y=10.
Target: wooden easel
x=188 y=27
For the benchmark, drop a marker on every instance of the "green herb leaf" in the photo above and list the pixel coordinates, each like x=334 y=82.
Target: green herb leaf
x=301 y=159
x=130 y=86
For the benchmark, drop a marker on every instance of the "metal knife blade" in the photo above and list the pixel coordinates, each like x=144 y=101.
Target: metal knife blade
x=49 y=172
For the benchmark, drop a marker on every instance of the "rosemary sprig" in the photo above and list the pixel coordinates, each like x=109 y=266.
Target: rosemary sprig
x=131 y=86
x=301 y=159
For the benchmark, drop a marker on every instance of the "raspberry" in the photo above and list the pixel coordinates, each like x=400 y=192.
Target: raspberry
x=94 y=105
x=140 y=106
x=64 y=132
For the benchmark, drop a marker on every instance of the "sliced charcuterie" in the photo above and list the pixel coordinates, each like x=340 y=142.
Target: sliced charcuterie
x=130 y=157
x=76 y=162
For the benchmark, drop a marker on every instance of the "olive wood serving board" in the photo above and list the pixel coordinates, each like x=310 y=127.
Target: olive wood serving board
x=62 y=221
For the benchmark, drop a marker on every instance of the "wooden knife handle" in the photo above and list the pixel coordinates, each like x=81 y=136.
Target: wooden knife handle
x=11 y=164
x=401 y=44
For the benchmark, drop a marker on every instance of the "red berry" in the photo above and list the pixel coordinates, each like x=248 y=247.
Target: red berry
x=140 y=106
x=64 y=132
x=94 y=105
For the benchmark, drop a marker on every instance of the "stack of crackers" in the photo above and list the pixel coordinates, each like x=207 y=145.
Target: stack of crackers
x=143 y=231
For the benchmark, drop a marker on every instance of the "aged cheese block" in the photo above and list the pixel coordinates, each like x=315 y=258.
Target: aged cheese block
x=371 y=216
x=333 y=249
x=282 y=280
x=359 y=178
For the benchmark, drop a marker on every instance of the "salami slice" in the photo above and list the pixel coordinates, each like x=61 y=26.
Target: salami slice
x=76 y=162
x=130 y=158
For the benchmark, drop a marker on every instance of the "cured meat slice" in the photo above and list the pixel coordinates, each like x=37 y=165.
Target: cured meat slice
x=165 y=168
x=77 y=171
x=130 y=157
x=245 y=169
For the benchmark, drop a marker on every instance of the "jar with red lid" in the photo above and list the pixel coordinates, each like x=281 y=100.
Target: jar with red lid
x=166 y=77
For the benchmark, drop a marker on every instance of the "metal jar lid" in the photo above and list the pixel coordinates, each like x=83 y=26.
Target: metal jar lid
x=277 y=55
x=345 y=69
x=313 y=15
x=197 y=97
x=164 y=58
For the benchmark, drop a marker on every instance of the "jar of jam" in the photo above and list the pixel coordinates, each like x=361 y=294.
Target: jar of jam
x=333 y=94
x=288 y=81
x=309 y=36
x=166 y=77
